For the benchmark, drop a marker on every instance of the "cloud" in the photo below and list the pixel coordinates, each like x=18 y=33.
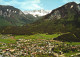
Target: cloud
x=23 y=4
x=66 y=1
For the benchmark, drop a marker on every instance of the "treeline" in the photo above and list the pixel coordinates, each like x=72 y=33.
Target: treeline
x=46 y=26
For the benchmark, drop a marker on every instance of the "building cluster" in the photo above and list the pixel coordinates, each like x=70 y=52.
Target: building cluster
x=32 y=48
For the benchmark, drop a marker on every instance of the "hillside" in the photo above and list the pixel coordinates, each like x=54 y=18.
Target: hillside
x=61 y=20
x=10 y=16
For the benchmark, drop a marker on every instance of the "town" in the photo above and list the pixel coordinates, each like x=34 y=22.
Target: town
x=37 y=48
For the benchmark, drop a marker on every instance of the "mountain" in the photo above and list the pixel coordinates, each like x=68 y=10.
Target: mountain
x=37 y=12
x=70 y=8
x=65 y=19
x=61 y=20
x=10 y=16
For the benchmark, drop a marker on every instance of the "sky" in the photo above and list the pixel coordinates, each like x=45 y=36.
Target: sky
x=36 y=4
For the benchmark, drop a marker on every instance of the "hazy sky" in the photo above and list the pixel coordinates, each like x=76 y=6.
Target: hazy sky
x=36 y=4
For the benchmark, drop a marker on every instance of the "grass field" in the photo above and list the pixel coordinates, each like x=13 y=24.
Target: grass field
x=36 y=36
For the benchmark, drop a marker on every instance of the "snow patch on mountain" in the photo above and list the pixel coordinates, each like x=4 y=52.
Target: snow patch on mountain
x=37 y=12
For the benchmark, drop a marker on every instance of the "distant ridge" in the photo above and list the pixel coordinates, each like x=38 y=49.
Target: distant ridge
x=35 y=13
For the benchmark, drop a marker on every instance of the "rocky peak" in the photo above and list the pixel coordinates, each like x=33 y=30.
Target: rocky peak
x=64 y=10
x=6 y=10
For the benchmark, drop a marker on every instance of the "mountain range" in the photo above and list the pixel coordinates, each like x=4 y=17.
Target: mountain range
x=36 y=13
x=65 y=19
x=62 y=19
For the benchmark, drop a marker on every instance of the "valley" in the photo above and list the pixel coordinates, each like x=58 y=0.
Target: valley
x=40 y=33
